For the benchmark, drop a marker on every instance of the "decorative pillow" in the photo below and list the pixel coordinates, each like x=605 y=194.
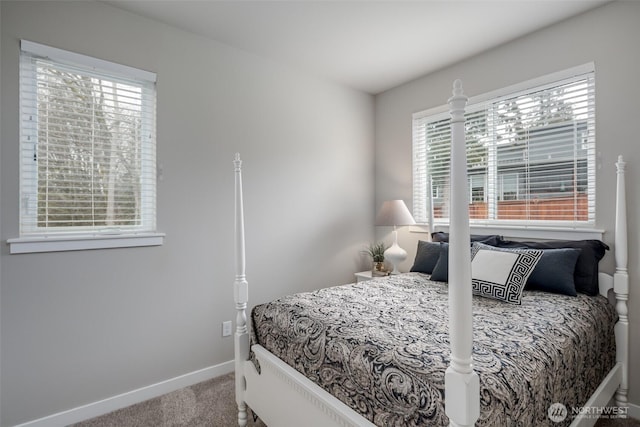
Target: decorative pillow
x=441 y=269
x=585 y=275
x=488 y=239
x=427 y=256
x=554 y=271
x=501 y=273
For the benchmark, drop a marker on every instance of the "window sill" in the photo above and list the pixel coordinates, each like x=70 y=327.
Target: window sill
x=23 y=245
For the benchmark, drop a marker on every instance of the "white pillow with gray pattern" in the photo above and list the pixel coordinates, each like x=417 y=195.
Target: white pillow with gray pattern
x=501 y=273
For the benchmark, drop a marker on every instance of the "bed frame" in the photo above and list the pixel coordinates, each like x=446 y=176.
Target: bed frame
x=281 y=396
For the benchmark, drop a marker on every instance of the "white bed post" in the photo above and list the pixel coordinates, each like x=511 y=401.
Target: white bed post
x=241 y=296
x=621 y=285
x=462 y=385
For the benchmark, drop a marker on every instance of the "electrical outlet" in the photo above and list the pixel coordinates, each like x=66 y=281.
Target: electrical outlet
x=226 y=328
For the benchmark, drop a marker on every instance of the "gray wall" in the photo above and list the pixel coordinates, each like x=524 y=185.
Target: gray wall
x=609 y=37
x=82 y=326
x=0 y=219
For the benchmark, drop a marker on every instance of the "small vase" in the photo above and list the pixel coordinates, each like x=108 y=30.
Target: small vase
x=378 y=266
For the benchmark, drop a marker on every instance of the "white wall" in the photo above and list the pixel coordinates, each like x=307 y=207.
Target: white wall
x=0 y=218
x=607 y=36
x=78 y=327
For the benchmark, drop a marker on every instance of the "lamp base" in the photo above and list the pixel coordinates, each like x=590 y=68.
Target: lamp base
x=395 y=254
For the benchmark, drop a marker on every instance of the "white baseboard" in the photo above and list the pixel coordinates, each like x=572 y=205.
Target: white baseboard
x=120 y=401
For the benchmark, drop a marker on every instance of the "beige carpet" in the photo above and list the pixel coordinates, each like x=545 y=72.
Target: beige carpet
x=208 y=404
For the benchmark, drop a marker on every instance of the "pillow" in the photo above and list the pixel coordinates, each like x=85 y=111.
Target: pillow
x=585 y=275
x=488 y=239
x=427 y=256
x=441 y=269
x=554 y=272
x=501 y=273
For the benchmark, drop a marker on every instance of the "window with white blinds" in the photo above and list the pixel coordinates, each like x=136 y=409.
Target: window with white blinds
x=530 y=155
x=87 y=145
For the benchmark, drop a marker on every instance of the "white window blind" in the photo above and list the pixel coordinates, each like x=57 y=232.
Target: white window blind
x=87 y=144
x=530 y=155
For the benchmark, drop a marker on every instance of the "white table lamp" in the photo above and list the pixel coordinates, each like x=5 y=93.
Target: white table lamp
x=394 y=212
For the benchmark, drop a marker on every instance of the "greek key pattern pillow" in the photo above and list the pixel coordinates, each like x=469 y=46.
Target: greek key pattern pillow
x=500 y=273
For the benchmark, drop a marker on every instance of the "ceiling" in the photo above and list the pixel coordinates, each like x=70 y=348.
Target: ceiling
x=371 y=46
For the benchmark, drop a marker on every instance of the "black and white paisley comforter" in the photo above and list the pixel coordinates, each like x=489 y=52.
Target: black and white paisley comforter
x=382 y=348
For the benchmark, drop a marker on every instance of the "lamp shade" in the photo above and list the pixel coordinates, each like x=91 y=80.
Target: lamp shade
x=394 y=212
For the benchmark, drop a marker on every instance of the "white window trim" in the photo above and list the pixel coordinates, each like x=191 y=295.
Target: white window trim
x=515 y=88
x=66 y=56
x=527 y=231
x=60 y=243
x=84 y=240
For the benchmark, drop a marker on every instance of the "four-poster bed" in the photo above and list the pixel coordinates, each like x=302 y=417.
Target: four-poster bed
x=281 y=395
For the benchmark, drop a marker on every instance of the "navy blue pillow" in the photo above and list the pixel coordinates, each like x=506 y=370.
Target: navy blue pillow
x=427 y=256
x=585 y=275
x=554 y=271
x=487 y=239
x=441 y=269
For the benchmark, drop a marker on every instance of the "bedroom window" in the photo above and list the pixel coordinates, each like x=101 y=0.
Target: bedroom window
x=530 y=154
x=87 y=148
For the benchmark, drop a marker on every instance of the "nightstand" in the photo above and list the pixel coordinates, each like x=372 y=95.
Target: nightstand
x=363 y=276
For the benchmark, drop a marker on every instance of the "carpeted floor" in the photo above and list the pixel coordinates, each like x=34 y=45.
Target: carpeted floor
x=208 y=404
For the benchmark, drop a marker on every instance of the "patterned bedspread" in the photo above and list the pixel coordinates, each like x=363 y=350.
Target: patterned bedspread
x=382 y=347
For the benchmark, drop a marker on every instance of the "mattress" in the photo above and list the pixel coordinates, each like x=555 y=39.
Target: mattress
x=382 y=347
